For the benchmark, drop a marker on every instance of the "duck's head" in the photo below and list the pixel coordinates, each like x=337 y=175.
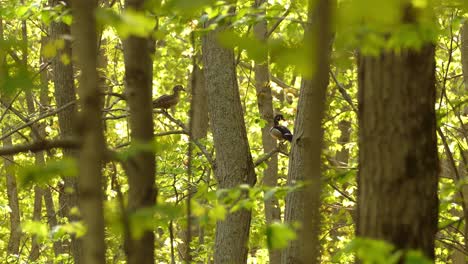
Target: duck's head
x=178 y=88
x=278 y=117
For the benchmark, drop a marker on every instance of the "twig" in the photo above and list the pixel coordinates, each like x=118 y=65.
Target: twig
x=343 y=92
x=278 y=22
x=27 y=124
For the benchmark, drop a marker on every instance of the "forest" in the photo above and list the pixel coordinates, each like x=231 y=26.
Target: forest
x=234 y=131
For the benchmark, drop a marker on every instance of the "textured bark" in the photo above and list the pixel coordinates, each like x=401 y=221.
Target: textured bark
x=64 y=93
x=141 y=175
x=398 y=163
x=305 y=157
x=92 y=151
x=265 y=107
x=464 y=169
x=199 y=104
x=234 y=164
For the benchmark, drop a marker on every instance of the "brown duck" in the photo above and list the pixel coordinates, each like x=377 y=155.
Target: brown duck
x=167 y=101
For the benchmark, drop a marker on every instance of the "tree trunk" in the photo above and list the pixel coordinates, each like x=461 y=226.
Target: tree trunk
x=12 y=191
x=234 y=164
x=65 y=93
x=92 y=151
x=265 y=107
x=199 y=104
x=141 y=174
x=464 y=189
x=398 y=163
x=305 y=158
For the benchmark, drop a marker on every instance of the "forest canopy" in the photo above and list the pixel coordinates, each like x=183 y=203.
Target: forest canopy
x=233 y=131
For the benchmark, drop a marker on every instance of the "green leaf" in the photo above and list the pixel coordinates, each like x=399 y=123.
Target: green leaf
x=279 y=235
x=44 y=174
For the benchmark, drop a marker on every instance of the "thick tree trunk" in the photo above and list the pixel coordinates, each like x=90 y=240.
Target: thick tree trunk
x=398 y=163
x=464 y=169
x=265 y=107
x=305 y=158
x=65 y=93
x=92 y=151
x=234 y=164
x=141 y=173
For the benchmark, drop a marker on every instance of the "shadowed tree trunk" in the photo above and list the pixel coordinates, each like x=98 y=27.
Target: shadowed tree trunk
x=65 y=93
x=92 y=151
x=234 y=164
x=398 y=163
x=141 y=173
x=265 y=107
x=459 y=257
x=199 y=104
x=305 y=157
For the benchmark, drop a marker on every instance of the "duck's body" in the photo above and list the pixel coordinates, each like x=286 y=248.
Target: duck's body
x=167 y=101
x=279 y=132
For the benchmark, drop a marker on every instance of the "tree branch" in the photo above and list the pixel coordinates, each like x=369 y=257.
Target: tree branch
x=27 y=124
x=343 y=92
x=266 y=156
x=39 y=146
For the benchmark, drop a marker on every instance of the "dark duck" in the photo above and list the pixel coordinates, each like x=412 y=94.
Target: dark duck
x=279 y=132
x=168 y=100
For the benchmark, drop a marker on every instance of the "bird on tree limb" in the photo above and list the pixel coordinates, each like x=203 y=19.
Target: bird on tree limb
x=167 y=101
x=279 y=132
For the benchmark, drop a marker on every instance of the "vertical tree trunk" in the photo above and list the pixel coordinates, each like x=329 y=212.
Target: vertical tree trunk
x=199 y=104
x=91 y=156
x=464 y=169
x=65 y=93
x=12 y=191
x=234 y=164
x=141 y=175
x=305 y=158
x=265 y=106
x=398 y=163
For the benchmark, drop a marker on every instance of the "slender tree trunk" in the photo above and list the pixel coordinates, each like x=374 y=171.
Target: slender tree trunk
x=234 y=164
x=12 y=191
x=141 y=173
x=305 y=158
x=65 y=93
x=398 y=163
x=265 y=106
x=92 y=152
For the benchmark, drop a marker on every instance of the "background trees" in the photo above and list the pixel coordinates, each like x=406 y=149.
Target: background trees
x=243 y=62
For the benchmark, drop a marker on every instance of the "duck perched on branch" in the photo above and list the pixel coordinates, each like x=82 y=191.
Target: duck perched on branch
x=280 y=132
x=167 y=101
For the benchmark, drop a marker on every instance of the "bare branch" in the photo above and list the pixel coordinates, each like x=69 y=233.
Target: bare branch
x=266 y=156
x=343 y=92
x=278 y=22
x=39 y=146
x=27 y=124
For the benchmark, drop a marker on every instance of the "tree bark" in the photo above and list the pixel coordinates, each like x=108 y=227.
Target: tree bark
x=305 y=158
x=199 y=104
x=398 y=162
x=141 y=175
x=12 y=191
x=65 y=93
x=234 y=164
x=265 y=107
x=92 y=151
